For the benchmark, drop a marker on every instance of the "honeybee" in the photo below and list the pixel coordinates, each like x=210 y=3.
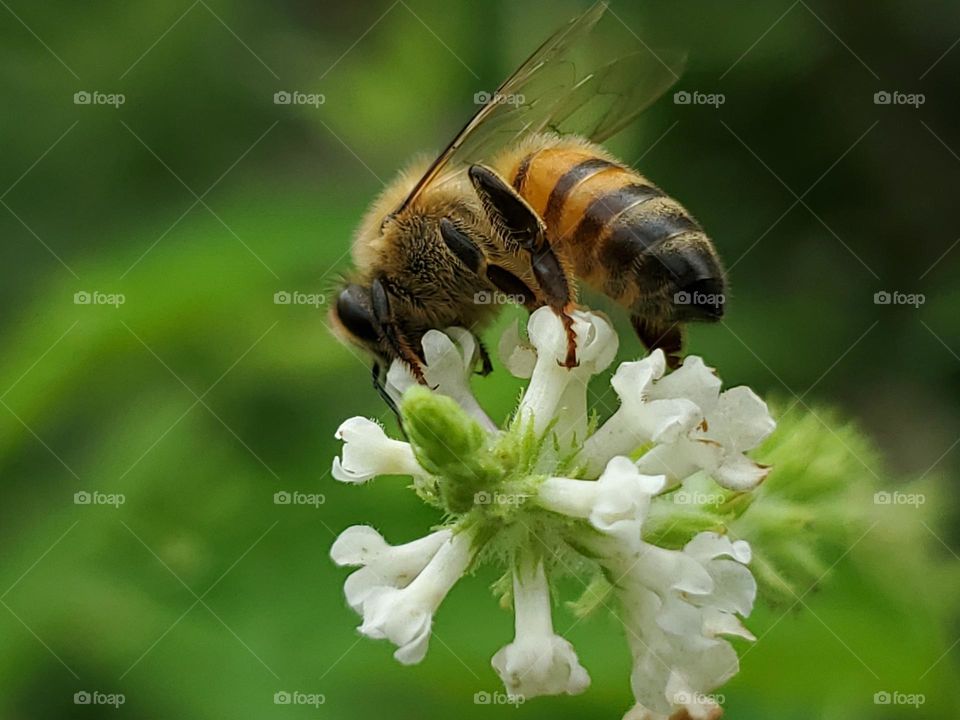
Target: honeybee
x=525 y=202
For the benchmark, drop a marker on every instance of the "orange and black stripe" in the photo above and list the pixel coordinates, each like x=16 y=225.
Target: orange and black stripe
x=603 y=213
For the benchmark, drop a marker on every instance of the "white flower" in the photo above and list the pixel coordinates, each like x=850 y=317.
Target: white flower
x=734 y=421
x=404 y=616
x=367 y=451
x=505 y=495
x=381 y=564
x=538 y=661
x=642 y=416
x=617 y=503
x=677 y=605
x=450 y=359
x=556 y=392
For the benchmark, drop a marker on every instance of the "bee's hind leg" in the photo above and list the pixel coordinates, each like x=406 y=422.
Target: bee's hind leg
x=654 y=336
x=522 y=230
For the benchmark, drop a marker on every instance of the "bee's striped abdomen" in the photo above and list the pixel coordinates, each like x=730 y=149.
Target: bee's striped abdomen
x=606 y=220
x=556 y=181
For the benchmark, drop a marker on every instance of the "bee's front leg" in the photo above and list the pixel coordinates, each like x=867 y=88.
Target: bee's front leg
x=522 y=230
x=394 y=336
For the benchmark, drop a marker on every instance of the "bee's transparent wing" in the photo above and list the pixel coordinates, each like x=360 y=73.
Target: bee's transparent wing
x=563 y=87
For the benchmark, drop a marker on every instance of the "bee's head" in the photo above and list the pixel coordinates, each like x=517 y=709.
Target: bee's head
x=353 y=320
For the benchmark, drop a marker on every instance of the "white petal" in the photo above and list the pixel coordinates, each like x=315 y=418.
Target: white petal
x=617 y=503
x=517 y=355
x=639 y=712
x=367 y=452
x=537 y=662
x=386 y=565
x=450 y=358
x=640 y=418
x=741 y=420
x=358 y=545
x=694 y=704
x=388 y=614
x=738 y=472
x=596 y=348
x=681 y=459
x=694 y=381
x=664 y=570
x=706 y=546
x=548 y=666
x=623 y=499
x=404 y=616
x=655 y=419
x=716 y=622
x=734 y=587
x=597 y=341
x=572 y=415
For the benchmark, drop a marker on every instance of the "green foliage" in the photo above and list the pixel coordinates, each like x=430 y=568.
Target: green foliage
x=86 y=406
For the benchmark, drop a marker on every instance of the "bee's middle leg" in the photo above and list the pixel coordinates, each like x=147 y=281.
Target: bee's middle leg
x=523 y=231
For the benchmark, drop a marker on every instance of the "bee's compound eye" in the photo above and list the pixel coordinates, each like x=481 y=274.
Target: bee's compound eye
x=353 y=310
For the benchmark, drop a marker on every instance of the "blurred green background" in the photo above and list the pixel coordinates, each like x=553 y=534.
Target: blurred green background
x=198 y=398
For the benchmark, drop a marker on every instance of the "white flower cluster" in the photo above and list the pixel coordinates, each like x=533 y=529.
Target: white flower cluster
x=677 y=605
